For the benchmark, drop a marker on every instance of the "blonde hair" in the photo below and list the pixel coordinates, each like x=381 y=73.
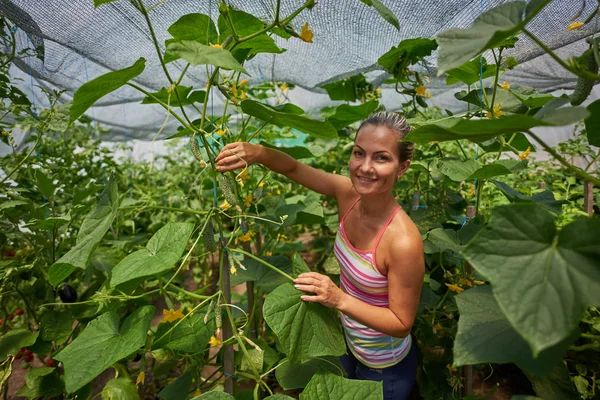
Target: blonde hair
x=396 y=123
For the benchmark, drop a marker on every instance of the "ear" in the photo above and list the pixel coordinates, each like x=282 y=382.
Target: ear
x=403 y=167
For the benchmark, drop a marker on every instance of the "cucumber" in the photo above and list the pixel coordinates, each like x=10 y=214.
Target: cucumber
x=225 y=186
x=209 y=238
x=195 y=148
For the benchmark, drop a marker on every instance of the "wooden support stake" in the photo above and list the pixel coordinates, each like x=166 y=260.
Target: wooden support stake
x=228 y=361
x=250 y=296
x=588 y=198
x=542 y=185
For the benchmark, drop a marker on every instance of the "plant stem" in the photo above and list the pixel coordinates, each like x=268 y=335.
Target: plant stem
x=175 y=209
x=165 y=106
x=252 y=256
x=582 y=74
x=24 y=159
x=462 y=150
x=498 y=60
x=577 y=171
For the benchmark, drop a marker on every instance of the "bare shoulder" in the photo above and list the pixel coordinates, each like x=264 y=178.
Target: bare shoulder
x=346 y=196
x=405 y=243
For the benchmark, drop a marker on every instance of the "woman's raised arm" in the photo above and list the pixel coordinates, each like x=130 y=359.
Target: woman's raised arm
x=237 y=155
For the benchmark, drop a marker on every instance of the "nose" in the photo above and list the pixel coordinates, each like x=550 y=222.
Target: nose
x=366 y=166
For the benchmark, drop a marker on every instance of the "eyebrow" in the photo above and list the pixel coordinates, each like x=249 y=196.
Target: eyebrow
x=376 y=152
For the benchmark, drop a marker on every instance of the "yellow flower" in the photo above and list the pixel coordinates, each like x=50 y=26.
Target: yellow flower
x=284 y=87
x=234 y=90
x=454 y=288
x=525 y=154
x=451 y=368
x=421 y=90
x=243 y=95
x=248 y=201
x=171 y=315
x=306 y=34
x=277 y=191
x=378 y=90
x=197 y=393
x=427 y=95
x=216 y=46
x=246 y=237
x=243 y=82
x=268 y=253
x=233 y=269
x=505 y=85
x=465 y=282
x=261 y=184
x=281 y=237
x=497 y=112
x=478 y=282
x=220 y=132
x=575 y=25
x=243 y=177
x=140 y=379
x=225 y=205
x=214 y=342
x=4 y=133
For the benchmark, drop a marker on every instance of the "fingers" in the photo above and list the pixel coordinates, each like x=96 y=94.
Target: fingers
x=312 y=299
x=308 y=288
x=227 y=151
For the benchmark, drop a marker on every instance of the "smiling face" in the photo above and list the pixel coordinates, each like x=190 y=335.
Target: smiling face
x=375 y=164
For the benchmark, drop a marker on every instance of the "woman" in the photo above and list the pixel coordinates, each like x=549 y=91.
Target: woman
x=378 y=247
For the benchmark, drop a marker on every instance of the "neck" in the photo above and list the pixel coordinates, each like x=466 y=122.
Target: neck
x=376 y=206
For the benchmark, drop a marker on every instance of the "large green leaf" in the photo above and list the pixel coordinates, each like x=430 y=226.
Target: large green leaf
x=542 y=279
x=101 y=344
x=346 y=89
x=263 y=276
x=545 y=198
x=197 y=27
x=319 y=129
x=346 y=114
x=247 y=24
x=297 y=152
x=385 y=12
x=179 y=388
x=94 y=227
x=296 y=376
x=190 y=335
x=519 y=142
x=439 y=240
x=555 y=386
x=120 y=388
x=161 y=253
x=409 y=52
x=484 y=129
x=92 y=91
x=197 y=54
x=185 y=93
x=467 y=170
x=489 y=30
x=13 y=340
x=56 y=325
x=41 y=382
x=485 y=336
x=592 y=123
x=305 y=330
x=214 y=395
x=327 y=386
x=470 y=72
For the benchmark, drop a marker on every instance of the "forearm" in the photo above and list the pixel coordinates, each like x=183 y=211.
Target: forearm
x=277 y=161
x=381 y=319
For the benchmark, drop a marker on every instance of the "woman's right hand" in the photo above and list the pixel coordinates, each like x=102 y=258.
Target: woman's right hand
x=238 y=155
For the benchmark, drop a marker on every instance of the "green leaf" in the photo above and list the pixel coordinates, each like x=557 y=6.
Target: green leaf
x=542 y=279
x=265 y=277
x=477 y=130
x=327 y=386
x=555 y=386
x=296 y=376
x=12 y=203
x=197 y=27
x=190 y=335
x=545 y=198
x=592 y=123
x=279 y=397
x=470 y=72
x=439 y=240
x=256 y=360
x=297 y=152
x=214 y=395
x=485 y=336
x=61 y=118
x=94 y=90
x=531 y=98
x=56 y=325
x=94 y=227
x=186 y=95
x=520 y=142
x=102 y=343
x=120 y=388
x=305 y=330
x=44 y=184
x=42 y=382
x=489 y=30
x=98 y=3
x=346 y=114
x=346 y=89
x=318 y=129
x=409 y=52
x=565 y=116
x=179 y=388
x=161 y=253
x=198 y=54
x=13 y=340
x=247 y=24
x=458 y=170
x=298 y=265
x=385 y=13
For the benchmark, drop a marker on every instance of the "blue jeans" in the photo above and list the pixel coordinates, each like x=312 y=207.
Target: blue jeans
x=398 y=379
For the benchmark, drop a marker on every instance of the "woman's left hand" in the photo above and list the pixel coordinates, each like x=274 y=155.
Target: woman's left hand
x=326 y=292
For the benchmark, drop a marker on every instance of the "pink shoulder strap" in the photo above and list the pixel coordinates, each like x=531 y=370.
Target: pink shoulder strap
x=350 y=209
x=389 y=220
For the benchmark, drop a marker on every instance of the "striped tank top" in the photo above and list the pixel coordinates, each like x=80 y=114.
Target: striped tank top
x=360 y=278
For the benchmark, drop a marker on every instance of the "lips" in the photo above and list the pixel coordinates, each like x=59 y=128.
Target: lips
x=366 y=179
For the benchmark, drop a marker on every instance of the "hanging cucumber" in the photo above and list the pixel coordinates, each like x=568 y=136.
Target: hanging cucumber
x=209 y=238
x=225 y=186
x=195 y=148
x=583 y=88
